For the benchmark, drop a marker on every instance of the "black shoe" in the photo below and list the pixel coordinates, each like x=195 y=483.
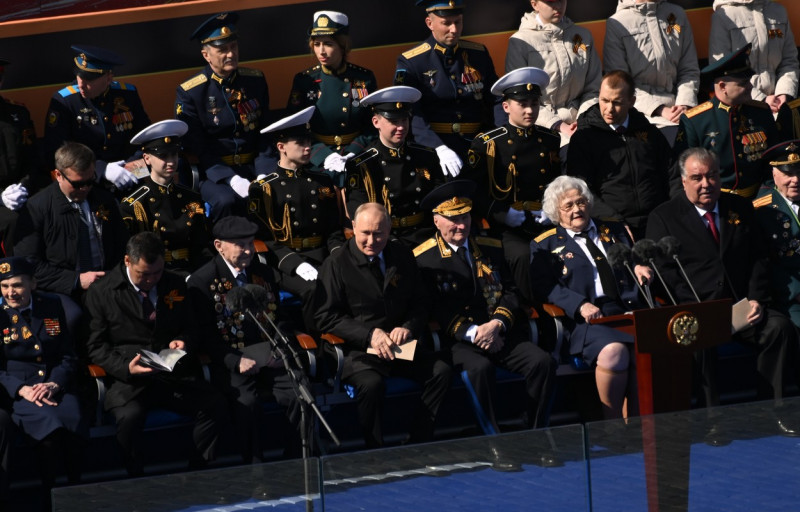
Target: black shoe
x=787 y=429
x=500 y=463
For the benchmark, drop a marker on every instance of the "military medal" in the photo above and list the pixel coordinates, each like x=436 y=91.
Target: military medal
x=52 y=326
x=26 y=332
x=213 y=110
x=430 y=74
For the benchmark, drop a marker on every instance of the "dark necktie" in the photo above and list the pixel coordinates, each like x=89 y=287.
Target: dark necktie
x=712 y=226
x=85 y=259
x=375 y=270
x=241 y=278
x=148 y=311
x=620 y=130
x=607 y=279
x=462 y=255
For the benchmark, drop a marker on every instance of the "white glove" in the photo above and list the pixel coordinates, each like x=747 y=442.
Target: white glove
x=514 y=218
x=240 y=185
x=336 y=162
x=14 y=196
x=260 y=177
x=540 y=217
x=306 y=271
x=119 y=175
x=449 y=161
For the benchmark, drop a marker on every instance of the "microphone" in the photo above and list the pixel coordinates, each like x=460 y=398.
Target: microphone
x=259 y=295
x=239 y=299
x=671 y=246
x=619 y=256
x=646 y=251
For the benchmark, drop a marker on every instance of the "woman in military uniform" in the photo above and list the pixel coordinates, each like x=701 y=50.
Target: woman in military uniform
x=336 y=87
x=162 y=206
x=37 y=371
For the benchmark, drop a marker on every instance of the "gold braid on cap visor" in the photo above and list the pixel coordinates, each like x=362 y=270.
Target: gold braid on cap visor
x=454 y=206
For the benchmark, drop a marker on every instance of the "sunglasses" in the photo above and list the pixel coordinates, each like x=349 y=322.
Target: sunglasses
x=77 y=183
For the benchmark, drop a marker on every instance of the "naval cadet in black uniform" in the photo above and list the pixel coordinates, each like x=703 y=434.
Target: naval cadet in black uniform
x=225 y=107
x=38 y=371
x=297 y=210
x=21 y=173
x=392 y=171
x=162 y=206
x=336 y=87
x=512 y=165
x=477 y=307
x=454 y=77
x=731 y=125
x=101 y=113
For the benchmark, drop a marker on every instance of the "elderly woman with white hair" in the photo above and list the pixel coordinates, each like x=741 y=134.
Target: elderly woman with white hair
x=570 y=268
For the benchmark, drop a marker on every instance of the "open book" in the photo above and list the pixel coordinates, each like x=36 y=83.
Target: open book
x=164 y=360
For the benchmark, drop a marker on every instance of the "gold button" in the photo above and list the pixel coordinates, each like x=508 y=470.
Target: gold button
x=513 y=157
x=510 y=142
x=36 y=347
x=41 y=373
x=39 y=359
x=344 y=95
x=543 y=171
x=541 y=155
x=344 y=109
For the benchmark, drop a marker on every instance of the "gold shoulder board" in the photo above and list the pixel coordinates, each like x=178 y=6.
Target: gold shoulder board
x=763 y=201
x=698 y=109
x=194 y=82
x=424 y=246
x=424 y=47
x=544 y=235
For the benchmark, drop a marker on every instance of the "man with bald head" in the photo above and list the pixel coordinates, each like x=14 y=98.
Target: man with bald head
x=370 y=294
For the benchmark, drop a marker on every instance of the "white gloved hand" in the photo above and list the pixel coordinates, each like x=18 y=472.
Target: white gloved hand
x=449 y=160
x=540 y=217
x=514 y=218
x=334 y=162
x=117 y=174
x=306 y=271
x=14 y=196
x=240 y=185
x=260 y=177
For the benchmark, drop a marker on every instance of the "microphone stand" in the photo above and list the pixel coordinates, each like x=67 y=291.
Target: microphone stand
x=645 y=293
x=686 y=277
x=663 y=283
x=304 y=396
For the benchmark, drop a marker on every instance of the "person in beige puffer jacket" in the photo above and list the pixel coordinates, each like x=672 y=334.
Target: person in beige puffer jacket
x=548 y=40
x=774 y=55
x=652 y=41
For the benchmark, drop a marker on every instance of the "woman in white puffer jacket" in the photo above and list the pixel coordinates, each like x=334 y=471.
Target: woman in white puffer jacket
x=652 y=41
x=774 y=55
x=549 y=40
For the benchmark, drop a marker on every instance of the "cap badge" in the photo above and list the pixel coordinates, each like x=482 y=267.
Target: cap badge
x=323 y=21
x=4 y=267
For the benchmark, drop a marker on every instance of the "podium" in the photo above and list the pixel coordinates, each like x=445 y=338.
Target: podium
x=666 y=340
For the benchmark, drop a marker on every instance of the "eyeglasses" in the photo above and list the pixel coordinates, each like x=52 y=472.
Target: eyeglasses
x=77 y=183
x=580 y=203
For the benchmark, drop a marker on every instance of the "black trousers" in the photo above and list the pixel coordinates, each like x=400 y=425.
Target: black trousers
x=245 y=394
x=432 y=373
x=775 y=339
x=190 y=397
x=523 y=357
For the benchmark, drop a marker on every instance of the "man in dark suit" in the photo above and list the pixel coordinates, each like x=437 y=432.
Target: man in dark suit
x=237 y=374
x=723 y=253
x=72 y=230
x=139 y=305
x=477 y=307
x=370 y=294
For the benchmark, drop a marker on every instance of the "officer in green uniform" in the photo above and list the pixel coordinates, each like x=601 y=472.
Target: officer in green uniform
x=512 y=165
x=160 y=205
x=392 y=171
x=732 y=125
x=341 y=125
x=777 y=214
x=297 y=210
